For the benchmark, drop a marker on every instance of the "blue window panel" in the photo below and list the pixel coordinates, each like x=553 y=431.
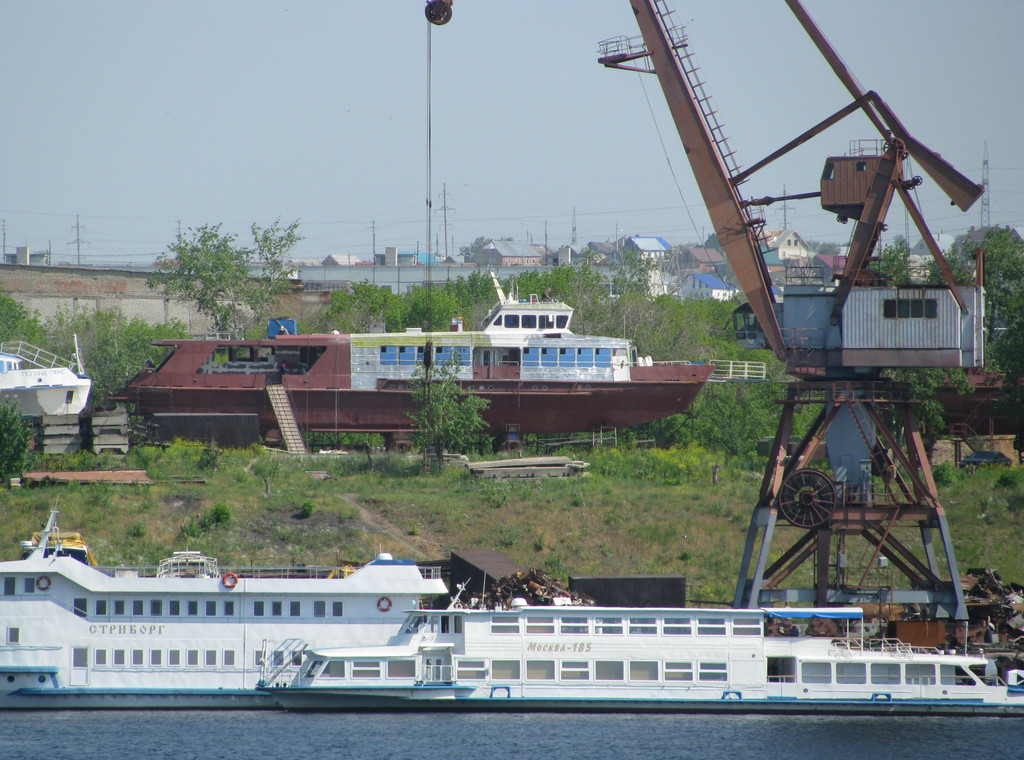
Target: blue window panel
x=549 y=357
x=512 y=320
x=530 y=321
x=567 y=357
x=389 y=355
x=409 y=354
x=531 y=357
x=585 y=357
x=604 y=357
x=463 y=354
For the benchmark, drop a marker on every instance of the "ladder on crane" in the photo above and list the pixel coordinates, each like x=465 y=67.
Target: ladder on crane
x=290 y=433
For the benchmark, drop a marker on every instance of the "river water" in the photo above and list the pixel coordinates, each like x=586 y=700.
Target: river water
x=195 y=735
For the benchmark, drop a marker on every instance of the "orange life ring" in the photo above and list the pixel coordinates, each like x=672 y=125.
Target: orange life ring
x=383 y=604
x=43 y=582
x=230 y=580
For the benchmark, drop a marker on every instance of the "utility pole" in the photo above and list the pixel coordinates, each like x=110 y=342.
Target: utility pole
x=985 y=218
x=77 y=242
x=445 y=208
x=573 y=226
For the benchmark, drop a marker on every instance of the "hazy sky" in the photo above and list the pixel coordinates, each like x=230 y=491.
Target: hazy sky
x=140 y=117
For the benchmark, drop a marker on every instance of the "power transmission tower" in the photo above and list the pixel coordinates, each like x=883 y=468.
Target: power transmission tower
x=78 y=242
x=986 y=220
x=445 y=208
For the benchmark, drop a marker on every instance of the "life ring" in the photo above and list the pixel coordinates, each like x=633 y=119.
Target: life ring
x=43 y=582
x=383 y=604
x=230 y=580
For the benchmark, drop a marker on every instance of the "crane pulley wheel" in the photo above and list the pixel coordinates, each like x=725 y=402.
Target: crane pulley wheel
x=438 y=12
x=807 y=498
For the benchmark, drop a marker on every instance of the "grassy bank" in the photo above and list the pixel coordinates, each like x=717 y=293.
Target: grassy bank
x=636 y=512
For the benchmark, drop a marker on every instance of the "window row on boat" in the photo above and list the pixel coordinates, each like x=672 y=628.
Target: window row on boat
x=614 y=625
x=532 y=356
x=784 y=670
x=514 y=321
x=116 y=659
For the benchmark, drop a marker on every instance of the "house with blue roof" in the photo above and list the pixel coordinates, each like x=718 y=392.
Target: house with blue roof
x=652 y=248
x=707 y=286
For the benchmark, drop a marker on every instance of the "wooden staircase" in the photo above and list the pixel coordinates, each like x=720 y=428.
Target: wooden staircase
x=293 y=439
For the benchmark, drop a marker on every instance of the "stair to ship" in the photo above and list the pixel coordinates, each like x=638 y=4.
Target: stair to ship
x=293 y=440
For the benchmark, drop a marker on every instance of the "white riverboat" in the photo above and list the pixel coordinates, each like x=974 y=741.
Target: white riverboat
x=186 y=634
x=40 y=382
x=575 y=658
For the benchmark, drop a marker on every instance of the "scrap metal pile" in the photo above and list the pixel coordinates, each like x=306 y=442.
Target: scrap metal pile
x=997 y=603
x=535 y=586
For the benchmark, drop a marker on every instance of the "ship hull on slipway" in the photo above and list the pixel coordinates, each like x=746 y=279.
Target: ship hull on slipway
x=538 y=376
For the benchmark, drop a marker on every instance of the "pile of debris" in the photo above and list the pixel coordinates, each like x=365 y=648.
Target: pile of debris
x=997 y=604
x=536 y=587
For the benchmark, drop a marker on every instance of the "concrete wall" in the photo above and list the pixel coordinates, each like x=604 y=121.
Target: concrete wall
x=47 y=291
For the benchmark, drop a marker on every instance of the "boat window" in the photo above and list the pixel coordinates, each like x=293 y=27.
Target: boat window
x=138 y=607
x=415 y=623
x=680 y=626
x=192 y=657
x=294 y=609
x=561 y=321
x=81 y=607
x=155 y=657
x=851 y=672
x=885 y=672
x=540 y=625
x=575 y=670
x=530 y=321
x=229 y=608
x=646 y=626
x=609 y=670
x=138 y=657
x=511 y=320
x=505 y=670
x=712 y=671
x=710 y=626
x=193 y=607
x=744 y=626
x=954 y=675
x=678 y=671
x=401 y=668
x=174 y=607
x=504 y=625
x=574 y=625
x=119 y=657
x=472 y=670
x=604 y=357
x=389 y=355
x=13 y=635
x=30 y=585
x=782 y=670
x=585 y=357
x=608 y=625
x=229 y=658
x=545 y=322
x=643 y=671
x=80 y=657
x=540 y=670
x=920 y=673
x=10 y=586
x=211 y=658
x=119 y=606
x=457 y=622
x=156 y=607
x=566 y=357
x=549 y=357
x=174 y=657
x=816 y=672
x=319 y=609
x=334 y=669
x=276 y=609
x=366 y=669
x=258 y=608
x=100 y=657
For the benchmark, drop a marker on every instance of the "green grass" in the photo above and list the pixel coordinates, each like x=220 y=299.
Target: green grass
x=636 y=512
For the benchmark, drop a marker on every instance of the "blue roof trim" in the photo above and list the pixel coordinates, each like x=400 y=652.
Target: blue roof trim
x=840 y=613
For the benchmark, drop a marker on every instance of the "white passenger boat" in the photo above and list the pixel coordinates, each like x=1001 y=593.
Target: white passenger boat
x=75 y=635
x=572 y=658
x=41 y=382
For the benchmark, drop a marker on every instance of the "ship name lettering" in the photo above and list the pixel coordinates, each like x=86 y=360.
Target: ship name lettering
x=126 y=629
x=579 y=646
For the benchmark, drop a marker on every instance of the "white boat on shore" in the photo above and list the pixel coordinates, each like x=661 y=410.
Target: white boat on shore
x=593 y=659
x=41 y=382
x=187 y=634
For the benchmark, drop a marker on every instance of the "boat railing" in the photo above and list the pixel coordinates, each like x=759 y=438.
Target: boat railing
x=34 y=355
x=436 y=673
x=893 y=647
x=728 y=369
x=242 y=571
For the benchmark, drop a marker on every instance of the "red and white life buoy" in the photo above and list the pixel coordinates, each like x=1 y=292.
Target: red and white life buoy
x=230 y=580
x=383 y=604
x=43 y=582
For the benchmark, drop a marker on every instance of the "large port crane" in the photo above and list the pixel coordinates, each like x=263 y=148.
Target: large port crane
x=838 y=341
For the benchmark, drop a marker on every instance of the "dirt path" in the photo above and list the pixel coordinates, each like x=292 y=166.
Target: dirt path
x=421 y=546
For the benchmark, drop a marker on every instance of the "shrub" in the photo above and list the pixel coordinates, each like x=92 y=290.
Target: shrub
x=1010 y=478
x=308 y=508
x=945 y=474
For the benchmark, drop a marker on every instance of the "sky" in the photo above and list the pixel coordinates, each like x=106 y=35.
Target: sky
x=136 y=120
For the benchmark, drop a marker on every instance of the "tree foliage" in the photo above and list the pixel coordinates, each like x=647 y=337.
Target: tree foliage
x=16 y=323
x=446 y=417
x=209 y=267
x=15 y=435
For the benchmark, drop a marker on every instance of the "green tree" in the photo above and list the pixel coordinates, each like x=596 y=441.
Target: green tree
x=17 y=324
x=209 y=267
x=15 y=436
x=113 y=347
x=475 y=250
x=446 y=417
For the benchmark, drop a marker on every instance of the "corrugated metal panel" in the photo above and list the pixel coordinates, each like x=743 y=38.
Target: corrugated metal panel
x=866 y=326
